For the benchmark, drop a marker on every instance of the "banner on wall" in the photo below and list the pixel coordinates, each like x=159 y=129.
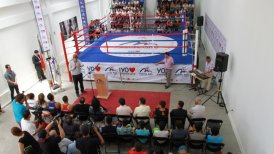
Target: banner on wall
x=83 y=12
x=136 y=72
x=67 y=27
x=217 y=39
x=41 y=25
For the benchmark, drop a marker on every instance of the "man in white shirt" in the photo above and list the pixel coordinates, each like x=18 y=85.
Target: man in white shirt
x=142 y=110
x=209 y=66
x=198 y=111
x=123 y=109
x=29 y=126
x=75 y=69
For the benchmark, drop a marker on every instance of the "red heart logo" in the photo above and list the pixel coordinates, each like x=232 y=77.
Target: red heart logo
x=132 y=69
x=98 y=68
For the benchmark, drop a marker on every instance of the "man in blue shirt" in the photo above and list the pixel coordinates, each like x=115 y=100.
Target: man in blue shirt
x=18 y=108
x=214 y=137
x=10 y=76
x=142 y=131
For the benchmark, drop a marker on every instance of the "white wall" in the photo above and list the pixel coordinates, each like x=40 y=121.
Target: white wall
x=248 y=83
x=18 y=34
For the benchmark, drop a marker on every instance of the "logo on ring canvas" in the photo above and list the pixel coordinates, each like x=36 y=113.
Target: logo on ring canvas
x=138 y=46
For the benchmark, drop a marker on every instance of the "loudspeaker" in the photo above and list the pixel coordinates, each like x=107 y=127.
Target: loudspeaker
x=200 y=21
x=221 y=62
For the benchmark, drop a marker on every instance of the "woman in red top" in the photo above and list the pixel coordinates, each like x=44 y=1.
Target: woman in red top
x=137 y=149
x=65 y=107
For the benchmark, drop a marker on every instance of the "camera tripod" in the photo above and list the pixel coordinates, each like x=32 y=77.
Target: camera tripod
x=220 y=98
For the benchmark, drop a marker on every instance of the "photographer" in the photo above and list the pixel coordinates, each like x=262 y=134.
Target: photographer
x=18 y=107
x=87 y=144
x=28 y=125
x=49 y=139
x=71 y=129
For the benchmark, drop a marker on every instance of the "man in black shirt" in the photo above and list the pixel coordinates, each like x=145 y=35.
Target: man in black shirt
x=179 y=113
x=36 y=60
x=49 y=142
x=88 y=144
x=109 y=128
x=27 y=144
x=81 y=110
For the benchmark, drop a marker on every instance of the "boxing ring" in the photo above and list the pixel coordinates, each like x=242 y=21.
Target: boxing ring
x=132 y=56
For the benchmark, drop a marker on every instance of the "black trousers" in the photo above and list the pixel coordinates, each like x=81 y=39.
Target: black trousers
x=76 y=79
x=40 y=73
x=12 y=88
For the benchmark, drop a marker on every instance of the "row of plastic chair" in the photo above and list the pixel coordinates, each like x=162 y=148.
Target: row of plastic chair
x=209 y=122
x=152 y=141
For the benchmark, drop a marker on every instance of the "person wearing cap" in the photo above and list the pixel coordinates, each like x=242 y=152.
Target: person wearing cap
x=75 y=69
x=168 y=62
x=36 y=60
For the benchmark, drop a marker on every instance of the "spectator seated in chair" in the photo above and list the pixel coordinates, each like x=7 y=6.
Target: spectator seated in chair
x=81 y=110
x=97 y=110
x=142 y=131
x=125 y=129
x=142 y=110
x=182 y=150
x=53 y=106
x=214 y=137
x=161 y=113
x=123 y=109
x=108 y=128
x=196 y=132
x=162 y=132
x=179 y=112
x=137 y=149
x=66 y=107
x=178 y=133
x=72 y=130
x=198 y=111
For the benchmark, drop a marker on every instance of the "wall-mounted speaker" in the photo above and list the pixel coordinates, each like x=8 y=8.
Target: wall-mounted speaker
x=221 y=62
x=200 y=21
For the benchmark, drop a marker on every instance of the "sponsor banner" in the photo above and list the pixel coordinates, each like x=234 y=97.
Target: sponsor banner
x=83 y=13
x=41 y=25
x=215 y=36
x=136 y=72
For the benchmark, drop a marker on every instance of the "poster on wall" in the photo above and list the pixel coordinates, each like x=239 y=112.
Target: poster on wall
x=67 y=27
x=41 y=25
x=215 y=36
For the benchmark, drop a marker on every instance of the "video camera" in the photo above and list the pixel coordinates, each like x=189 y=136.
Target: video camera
x=58 y=116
